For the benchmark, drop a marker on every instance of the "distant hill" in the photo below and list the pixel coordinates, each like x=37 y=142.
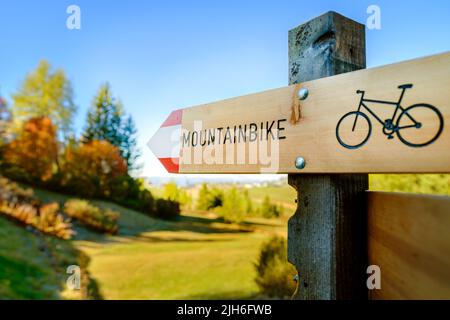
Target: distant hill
x=186 y=180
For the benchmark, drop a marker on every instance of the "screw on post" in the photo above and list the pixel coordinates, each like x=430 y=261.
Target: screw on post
x=300 y=163
x=303 y=93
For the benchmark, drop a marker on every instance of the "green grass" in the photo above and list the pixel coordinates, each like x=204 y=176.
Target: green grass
x=23 y=273
x=177 y=265
x=194 y=257
x=32 y=267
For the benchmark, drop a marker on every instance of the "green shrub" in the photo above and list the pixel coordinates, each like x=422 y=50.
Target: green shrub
x=248 y=203
x=132 y=193
x=209 y=198
x=274 y=273
x=174 y=193
x=270 y=210
x=167 y=209
x=234 y=206
x=92 y=216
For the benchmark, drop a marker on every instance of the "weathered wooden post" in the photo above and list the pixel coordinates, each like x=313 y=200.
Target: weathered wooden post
x=327 y=237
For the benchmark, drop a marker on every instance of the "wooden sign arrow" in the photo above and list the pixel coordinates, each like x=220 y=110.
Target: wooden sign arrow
x=390 y=119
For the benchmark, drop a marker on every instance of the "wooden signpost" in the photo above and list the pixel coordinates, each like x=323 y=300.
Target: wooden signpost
x=386 y=119
x=331 y=127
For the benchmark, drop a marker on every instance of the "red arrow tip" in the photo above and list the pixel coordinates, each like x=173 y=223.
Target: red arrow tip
x=171 y=164
x=173 y=119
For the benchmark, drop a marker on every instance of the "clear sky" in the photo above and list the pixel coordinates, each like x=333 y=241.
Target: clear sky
x=163 y=55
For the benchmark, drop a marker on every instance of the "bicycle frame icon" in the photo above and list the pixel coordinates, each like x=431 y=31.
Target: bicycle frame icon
x=394 y=125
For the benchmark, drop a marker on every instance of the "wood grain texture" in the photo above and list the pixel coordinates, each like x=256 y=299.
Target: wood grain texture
x=314 y=136
x=327 y=234
x=409 y=239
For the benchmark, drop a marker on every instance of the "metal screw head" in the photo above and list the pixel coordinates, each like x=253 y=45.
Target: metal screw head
x=302 y=93
x=300 y=163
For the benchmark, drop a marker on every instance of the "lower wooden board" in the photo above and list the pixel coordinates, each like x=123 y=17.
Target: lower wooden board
x=266 y=132
x=409 y=240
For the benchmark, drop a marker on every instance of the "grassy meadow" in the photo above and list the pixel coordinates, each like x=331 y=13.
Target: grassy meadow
x=196 y=256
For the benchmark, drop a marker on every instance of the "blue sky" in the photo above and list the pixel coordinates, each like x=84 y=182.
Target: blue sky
x=163 y=55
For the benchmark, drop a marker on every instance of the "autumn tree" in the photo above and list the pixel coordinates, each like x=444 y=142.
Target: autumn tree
x=34 y=151
x=5 y=118
x=91 y=168
x=45 y=93
x=107 y=121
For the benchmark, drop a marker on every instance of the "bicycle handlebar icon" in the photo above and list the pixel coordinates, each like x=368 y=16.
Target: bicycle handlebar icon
x=414 y=114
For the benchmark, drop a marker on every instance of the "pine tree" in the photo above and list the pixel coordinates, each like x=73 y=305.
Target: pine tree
x=129 y=148
x=107 y=121
x=100 y=117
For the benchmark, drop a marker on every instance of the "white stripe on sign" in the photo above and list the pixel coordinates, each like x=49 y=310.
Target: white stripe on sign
x=166 y=142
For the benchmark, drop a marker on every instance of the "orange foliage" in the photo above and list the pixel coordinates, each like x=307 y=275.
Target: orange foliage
x=35 y=150
x=91 y=168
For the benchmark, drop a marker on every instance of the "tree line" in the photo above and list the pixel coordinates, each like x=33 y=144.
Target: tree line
x=38 y=145
x=232 y=204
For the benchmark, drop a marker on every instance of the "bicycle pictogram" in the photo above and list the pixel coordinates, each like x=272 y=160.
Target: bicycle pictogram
x=406 y=125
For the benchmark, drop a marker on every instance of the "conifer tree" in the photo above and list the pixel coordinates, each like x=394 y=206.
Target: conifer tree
x=129 y=144
x=107 y=121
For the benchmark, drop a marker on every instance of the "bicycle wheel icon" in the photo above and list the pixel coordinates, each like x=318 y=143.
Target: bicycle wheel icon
x=353 y=129
x=419 y=125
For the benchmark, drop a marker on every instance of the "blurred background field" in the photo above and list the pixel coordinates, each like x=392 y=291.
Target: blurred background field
x=198 y=255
